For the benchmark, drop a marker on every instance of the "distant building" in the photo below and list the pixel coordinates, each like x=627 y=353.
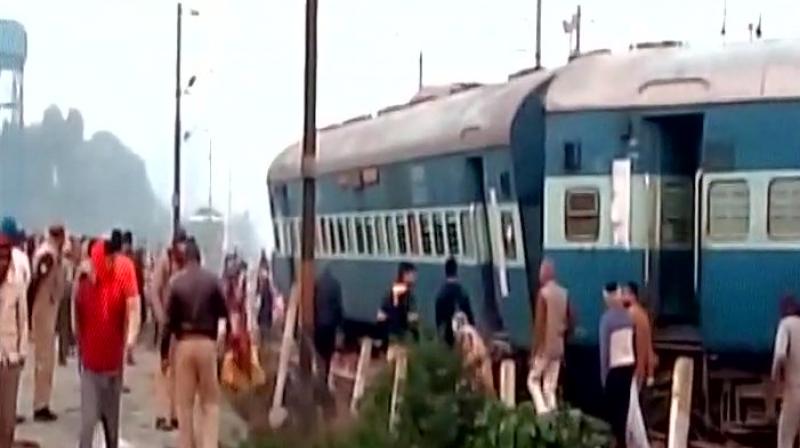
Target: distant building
x=13 y=53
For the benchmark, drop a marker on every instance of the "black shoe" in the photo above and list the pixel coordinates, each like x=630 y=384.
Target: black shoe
x=126 y=390
x=174 y=423
x=20 y=419
x=162 y=425
x=44 y=415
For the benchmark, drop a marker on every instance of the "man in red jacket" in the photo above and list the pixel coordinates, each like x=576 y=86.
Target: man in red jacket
x=107 y=322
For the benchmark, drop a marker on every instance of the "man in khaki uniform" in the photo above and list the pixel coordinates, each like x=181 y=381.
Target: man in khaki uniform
x=166 y=267
x=47 y=291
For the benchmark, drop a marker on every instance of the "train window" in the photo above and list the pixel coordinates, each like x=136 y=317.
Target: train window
x=783 y=210
x=467 y=234
x=321 y=240
x=277 y=232
x=677 y=205
x=369 y=235
x=582 y=214
x=728 y=210
x=298 y=231
x=380 y=236
x=509 y=234
x=391 y=243
x=425 y=231
x=451 y=227
x=402 y=235
x=413 y=236
x=359 y=228
x=341 y=233
x=438 y=233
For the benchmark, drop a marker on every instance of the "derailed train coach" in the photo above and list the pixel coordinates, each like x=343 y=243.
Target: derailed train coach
x=458 y=175
x=675 y=168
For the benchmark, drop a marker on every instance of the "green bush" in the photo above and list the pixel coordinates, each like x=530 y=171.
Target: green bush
x=439 y=410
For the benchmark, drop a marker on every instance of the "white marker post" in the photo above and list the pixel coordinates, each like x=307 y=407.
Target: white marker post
x=278 y=413
x=361 y=373
x=681 y=406
x=508 y=383
x=400 y=369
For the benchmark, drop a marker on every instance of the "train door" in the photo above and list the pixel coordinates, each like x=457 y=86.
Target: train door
x=486 y=216
x=672 y=253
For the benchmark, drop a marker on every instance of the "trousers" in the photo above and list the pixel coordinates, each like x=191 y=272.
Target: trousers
x=9 y=384
x=789 y=420
x=100 y=402
x=44 y=316
x=197 y=379
x=165 y=388
x=618 y=396
x=543 y=383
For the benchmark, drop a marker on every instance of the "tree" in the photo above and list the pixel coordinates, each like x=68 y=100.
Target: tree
x=49 y=173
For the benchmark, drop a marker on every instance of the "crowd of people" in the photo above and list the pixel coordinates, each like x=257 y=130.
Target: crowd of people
x=61 y=293
x=64 y=295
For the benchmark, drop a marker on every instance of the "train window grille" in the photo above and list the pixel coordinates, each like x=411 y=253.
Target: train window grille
x=413 y=235
x=402 y=235
x=331 y=233
x=467 y=234
x=728 y=210
x=298 y=240
x=341 y=233
x=380 y=235
x=677 y=205
x=369 y=235
x=318 y=237
x=451 y=228
x=582 y=215
x=509 y=234
x=277 y=231
x=359 y=228
x=391 y=242
x=438 y=233
x=425 y=232
x=783 y=209
x=291 y=240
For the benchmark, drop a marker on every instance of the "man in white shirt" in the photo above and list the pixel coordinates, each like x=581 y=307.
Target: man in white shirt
x=786 y=371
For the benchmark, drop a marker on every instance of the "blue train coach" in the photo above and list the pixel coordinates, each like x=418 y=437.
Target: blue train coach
x=456 y=175
x=679 y=169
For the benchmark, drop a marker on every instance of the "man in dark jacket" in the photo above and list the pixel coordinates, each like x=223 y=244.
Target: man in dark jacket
x=327 y=316
x=451 y=298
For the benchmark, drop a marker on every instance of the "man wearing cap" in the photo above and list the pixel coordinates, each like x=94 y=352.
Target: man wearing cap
x=170 y=262
x=46 y=293
x=22 y=265
x=13 y=338
x=21 y=262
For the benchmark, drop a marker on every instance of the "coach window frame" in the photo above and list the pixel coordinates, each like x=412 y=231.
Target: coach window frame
x=728 y=237
x=570 y=214
x=769 y=218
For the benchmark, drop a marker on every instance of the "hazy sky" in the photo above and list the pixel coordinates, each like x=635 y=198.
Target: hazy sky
x=114 y=61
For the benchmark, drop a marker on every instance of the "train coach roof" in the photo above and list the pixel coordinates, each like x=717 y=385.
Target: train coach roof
x=473 y=118
x=678 y=76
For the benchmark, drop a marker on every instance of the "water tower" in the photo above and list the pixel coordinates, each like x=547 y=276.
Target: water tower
x=13 y=52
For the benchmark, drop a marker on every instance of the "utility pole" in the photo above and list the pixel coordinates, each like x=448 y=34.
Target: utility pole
x=176 y=190
x=307 y=168
x=210 y=170
x=420 y=83
x=538 y=34
x=578 y=32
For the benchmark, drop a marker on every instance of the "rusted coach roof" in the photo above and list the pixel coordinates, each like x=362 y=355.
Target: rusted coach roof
x=473 y=118
x=678 y=76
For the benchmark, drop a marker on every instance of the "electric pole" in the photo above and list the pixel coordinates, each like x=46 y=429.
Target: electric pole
x=176 y=190
x=307 y=168
x=538 y=34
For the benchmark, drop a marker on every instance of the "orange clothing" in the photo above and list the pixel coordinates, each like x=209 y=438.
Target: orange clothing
x=643 y=335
